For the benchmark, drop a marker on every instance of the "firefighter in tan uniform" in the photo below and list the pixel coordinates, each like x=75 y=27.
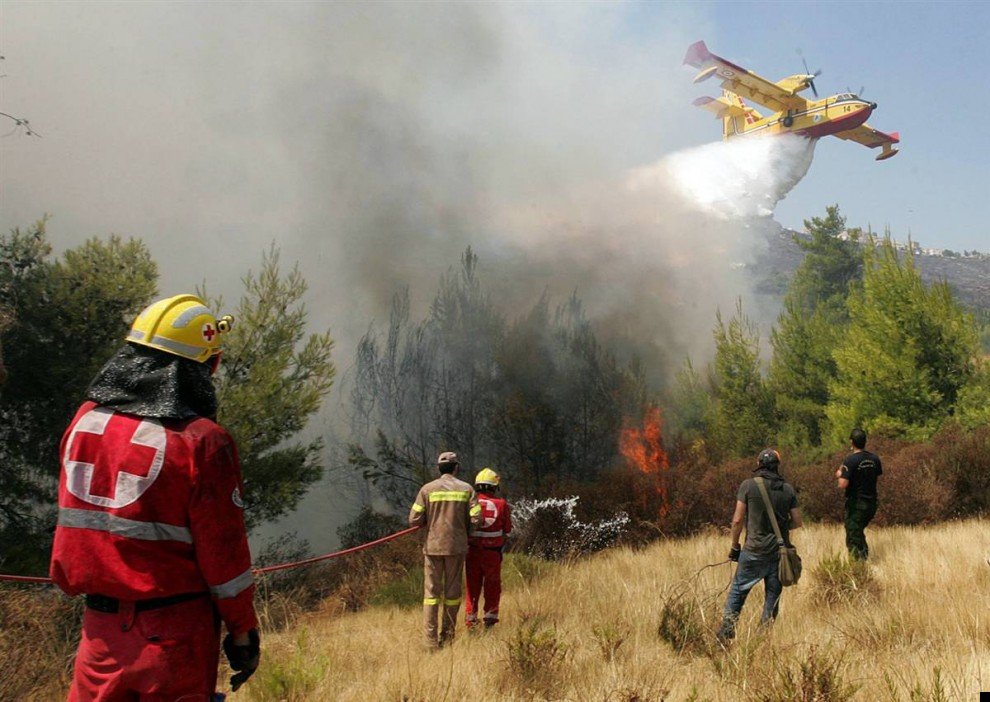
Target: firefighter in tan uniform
x=446 y=508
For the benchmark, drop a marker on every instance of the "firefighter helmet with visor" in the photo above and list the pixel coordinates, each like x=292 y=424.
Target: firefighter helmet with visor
x=183 y=326
x=486 y=476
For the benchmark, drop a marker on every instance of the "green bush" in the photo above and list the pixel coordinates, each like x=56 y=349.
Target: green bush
x=404 y=591
x=291 y=678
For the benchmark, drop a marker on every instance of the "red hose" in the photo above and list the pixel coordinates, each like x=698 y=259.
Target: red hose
x=335 y=554
x=259 y=571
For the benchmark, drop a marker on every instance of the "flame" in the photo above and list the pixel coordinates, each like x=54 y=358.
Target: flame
x=642 y=447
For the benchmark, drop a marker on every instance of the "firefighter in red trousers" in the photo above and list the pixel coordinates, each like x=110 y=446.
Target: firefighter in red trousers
x=485 y=543
x=150 y=519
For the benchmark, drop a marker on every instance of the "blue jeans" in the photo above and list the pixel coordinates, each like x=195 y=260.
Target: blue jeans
x=752 y=569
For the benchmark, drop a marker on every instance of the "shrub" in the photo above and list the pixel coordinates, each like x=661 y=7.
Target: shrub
x=911 y=490
x=292 y=678
x=818 y=678
x=367 y=526
x=838 y=578
x=683 y=626
x=404 y=591
x=535 y=654
x=702 y=493
x=963 y=463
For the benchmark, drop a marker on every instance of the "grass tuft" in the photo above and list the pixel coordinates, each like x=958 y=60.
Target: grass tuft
x=841 y=579
x=683 y=626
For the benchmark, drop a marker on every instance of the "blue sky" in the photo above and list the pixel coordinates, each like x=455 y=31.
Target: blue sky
x=925 y=64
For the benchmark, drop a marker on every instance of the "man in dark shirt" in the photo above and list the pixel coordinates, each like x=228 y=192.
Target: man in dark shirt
x=858 y=477
x=759 y=557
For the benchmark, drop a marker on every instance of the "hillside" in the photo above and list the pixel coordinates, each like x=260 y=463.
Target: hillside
x=589 y=631
x=969 y=277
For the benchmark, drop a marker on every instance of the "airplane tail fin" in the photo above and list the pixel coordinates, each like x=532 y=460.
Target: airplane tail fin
x=697 y=55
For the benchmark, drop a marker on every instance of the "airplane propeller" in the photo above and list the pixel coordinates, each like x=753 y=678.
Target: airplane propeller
x=811 y=80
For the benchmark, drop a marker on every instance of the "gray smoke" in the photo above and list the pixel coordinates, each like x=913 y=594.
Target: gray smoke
x=374 y=142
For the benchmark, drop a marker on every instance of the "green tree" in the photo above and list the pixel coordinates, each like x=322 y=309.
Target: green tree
x=690 y=404
x=811 y=325
x=909 y=351
x=272 y=381
x=67 y=317
x=744 y=417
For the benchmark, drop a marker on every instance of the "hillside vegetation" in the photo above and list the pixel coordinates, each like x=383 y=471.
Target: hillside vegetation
x=913 y=626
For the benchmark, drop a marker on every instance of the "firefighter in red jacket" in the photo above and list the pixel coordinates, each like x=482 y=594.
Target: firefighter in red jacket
x=150 y=519
x=485 y=545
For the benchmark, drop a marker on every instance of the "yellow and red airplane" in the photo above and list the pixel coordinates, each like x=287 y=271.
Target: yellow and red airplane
x=842 y=115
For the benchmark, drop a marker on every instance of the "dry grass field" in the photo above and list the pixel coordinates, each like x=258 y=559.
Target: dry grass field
x=914 y=626
x=629 y=626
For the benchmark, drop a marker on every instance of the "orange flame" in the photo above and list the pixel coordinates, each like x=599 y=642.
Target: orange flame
x=643 y=450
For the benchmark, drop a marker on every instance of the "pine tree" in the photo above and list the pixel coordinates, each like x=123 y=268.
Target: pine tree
x=907 y=353
x=811 y=325
x=67 y=316
x=744 y=417
x=273 y=378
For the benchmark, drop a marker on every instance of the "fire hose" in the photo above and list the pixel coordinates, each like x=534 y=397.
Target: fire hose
x=257 y=571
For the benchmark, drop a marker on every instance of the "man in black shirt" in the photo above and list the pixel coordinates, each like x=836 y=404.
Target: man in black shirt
x=858 y=477
x=759 y=557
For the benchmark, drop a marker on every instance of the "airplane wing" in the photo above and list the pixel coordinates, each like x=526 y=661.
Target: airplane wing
x=741 y=81
x=872 y=138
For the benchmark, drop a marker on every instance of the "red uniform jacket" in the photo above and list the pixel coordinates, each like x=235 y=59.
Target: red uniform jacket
x=496 y=523
x=151 y=508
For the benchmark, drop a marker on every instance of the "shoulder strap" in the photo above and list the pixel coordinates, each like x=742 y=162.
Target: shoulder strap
x=770 y=512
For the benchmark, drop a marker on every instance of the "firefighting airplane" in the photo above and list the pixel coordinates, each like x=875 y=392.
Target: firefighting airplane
x=841 y=115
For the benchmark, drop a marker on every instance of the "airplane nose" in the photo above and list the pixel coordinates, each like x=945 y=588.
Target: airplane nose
x=873 y=106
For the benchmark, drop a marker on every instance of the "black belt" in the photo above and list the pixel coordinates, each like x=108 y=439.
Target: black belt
x=111 y=605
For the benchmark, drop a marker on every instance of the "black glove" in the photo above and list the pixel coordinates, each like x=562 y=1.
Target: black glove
x=734 y=554
x=243 y=659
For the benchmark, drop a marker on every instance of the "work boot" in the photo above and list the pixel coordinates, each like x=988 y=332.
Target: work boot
x=490 y=624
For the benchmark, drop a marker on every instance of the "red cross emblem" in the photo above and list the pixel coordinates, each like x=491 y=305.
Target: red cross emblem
x=489 y=511
x=209 y=332
x=111 y=460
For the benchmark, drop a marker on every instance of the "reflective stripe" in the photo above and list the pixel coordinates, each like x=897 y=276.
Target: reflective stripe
x=476 y=510
x=431 y=600
x=118 y=526
x=177 y=346
x=449 y=496
x=232 y=588
x=135 y=334
x=418 y=508
x=451 y=603
x=486 y=534
x=189 y=315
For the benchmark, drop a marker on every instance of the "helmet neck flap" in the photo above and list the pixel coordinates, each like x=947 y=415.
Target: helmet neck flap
x=143 y=381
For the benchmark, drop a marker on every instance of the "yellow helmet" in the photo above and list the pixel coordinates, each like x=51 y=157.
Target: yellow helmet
x=486 y=476
x=182 y=325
